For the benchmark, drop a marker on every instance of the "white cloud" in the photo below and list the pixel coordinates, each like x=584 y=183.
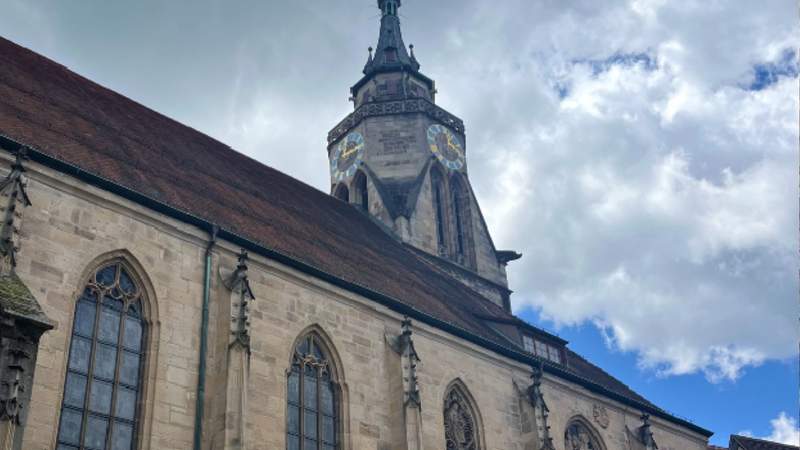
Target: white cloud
x=784 y=430
x=659 y=200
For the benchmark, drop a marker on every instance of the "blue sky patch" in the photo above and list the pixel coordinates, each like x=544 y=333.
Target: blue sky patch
x=769 y=73
x=599 y=66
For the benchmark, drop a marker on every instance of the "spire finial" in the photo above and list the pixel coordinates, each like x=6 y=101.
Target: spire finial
x=391 y=54
x=389 y=7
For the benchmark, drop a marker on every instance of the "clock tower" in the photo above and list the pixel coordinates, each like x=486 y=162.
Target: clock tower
x=402 y=159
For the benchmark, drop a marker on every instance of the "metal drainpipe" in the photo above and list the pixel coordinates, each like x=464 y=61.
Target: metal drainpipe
x=201 y=372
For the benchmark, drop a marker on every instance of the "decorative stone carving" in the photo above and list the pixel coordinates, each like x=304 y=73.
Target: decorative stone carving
x=416 y=105
x=13 y=199
x=239 y=283
x=646 y=434
x=541 y=411
x=16 y=356
x=579 y=437
x=459 y=424
x=19 y=343
x=238 y=355
x=403 y=345
x=600 y=415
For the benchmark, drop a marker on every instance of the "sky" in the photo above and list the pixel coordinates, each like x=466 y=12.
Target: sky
x=641 y=154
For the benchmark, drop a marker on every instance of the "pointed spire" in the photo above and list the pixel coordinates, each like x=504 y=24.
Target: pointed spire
x=391 y=53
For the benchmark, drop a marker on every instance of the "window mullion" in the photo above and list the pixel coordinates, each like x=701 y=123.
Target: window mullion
x=89 y=374
x=117 y=368
x=320 y=416
x=301 y=378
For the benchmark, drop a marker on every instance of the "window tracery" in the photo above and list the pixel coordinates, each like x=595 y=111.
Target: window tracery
x=579 y=437
x=460 y=427
x=312 y=409
x=100 y=408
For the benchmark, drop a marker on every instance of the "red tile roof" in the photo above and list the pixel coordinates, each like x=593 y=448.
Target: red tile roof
x=65 y=116
x=748 y=443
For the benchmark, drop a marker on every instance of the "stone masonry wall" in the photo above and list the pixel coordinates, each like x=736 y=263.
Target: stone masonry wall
x=71 y=226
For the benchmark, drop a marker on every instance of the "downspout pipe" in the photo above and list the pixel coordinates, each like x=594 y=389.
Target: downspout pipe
x=201 y=370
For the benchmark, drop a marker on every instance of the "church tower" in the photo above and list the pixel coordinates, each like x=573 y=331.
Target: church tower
x=402 y=159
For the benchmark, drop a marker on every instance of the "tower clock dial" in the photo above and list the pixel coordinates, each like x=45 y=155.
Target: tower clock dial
x=446 y=146
x=347 y=156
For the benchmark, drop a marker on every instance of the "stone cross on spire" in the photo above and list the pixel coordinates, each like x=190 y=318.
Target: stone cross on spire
x=391 y=53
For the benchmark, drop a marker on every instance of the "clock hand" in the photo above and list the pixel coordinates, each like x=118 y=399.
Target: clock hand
x=453 y=146
x=349 y=151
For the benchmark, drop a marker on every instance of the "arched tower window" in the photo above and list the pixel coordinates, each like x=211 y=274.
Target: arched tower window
x=100 y=408
x=579 y=436
x=461 y=425
x=342 y=193
x=313 y=398
x=439 y=194
x=360 y=190
x=462 y=220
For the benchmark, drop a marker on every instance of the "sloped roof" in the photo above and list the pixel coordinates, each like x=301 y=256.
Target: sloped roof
x=18 y=301
x=747 y=443
x=89 y=131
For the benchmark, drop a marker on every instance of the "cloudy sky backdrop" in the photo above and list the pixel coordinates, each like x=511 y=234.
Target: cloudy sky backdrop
x=642 y=154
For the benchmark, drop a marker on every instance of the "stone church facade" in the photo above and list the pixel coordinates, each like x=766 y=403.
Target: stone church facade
x=159 y=291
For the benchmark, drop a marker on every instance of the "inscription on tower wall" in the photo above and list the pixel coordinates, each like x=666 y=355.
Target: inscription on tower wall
x=396 y=141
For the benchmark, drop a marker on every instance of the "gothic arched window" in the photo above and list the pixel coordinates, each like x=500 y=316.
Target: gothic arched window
x=360 y=191
x=439 y=198
x=579 y=437
x=312 y=413
x=342 y=193
x=100 y=408
x=462 y=220
x=460 y=425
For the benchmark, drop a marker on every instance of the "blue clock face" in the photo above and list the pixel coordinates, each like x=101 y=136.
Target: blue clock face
x=446 y=146
x=347 y=156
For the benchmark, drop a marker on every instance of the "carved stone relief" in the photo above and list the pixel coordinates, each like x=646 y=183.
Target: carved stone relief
x=601 y=415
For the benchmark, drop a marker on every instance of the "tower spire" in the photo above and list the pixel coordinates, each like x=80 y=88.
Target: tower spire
x=391 y=53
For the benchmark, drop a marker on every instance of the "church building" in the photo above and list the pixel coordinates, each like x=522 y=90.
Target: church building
x=160 y=291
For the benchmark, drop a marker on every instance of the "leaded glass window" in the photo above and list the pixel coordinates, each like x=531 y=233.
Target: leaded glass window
x=312 y=418
x=459 y=422
x=541 y=349
x=579 y=437
x=100 y=409
x=527 y=343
